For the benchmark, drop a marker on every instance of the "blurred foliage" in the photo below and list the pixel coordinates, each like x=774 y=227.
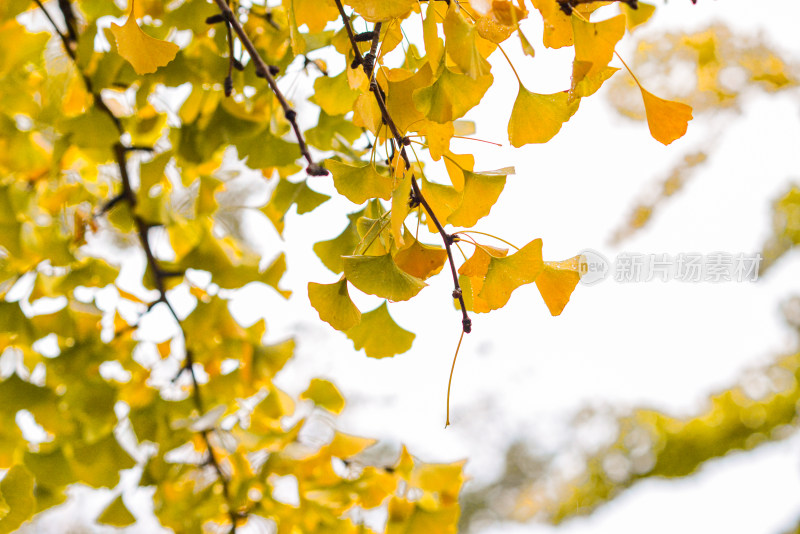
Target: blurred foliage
x=714 y=70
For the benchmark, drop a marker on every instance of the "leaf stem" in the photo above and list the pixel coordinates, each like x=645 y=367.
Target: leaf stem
x=450 y=380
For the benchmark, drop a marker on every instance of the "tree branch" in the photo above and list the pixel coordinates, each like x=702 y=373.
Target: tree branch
x=143 y=227
x=400 y=143
x=263 y=71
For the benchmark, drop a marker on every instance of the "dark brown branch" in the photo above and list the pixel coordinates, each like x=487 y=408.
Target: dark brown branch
x=399 y=143
x=263 y=71
x=359 y=60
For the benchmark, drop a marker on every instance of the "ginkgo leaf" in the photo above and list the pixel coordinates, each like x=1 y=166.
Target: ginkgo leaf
x=472 y=274
x=504 y=275
x=451 y=95
x=380 y=276
x=116 y=514
x=538 y=118
x=315 y=13
x=434 y=45
x=557 y=281
x=583 y=85
x=481 y=192
x=438 y=137
x=379 y=335
x=557 y=24
x=16 y=490
x=557 y=27
x=346 y=445
x=401 y=86
x=367 y=113
x=668 y=120
x=324 y=394
x=146 y=54
x=461 y=46
x=333 y=303
x=595 y=42
x=382 y=11
x=420 y=260
x=443 y=200
x=456 y=164
x=333 y=94
x=637 y=17
x=330 y=252
x=359 y=183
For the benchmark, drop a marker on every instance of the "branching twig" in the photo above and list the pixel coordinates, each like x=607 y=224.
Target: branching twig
x=400 y=143
x=159 y=276
x=264 y=71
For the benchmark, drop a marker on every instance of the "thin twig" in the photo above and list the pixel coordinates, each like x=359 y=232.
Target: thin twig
x=263 y=71
x=399 y=143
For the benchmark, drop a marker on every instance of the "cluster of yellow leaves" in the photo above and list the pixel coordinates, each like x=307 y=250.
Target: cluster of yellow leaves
x=64 y=189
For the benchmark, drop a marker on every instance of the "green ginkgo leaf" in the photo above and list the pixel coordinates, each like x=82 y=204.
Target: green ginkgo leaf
x=379 y=335
x=380 y=276
x=116 y=514
x=538 y=118
x=16 y=490
x=330 y=252
x=359 y=183
x=333 y=303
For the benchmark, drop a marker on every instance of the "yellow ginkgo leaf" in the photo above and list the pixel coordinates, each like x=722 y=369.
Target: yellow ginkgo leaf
x=346 y=445
x=504 y=275
x=461 y=45
x=595 y=42
x=146 y=54
x=638 y=16
x=420 y=260
x=315 y=13
x=333 y=303
x=443 y=200
x=472 y=274
x=451 y=95
x=481 y=191
x=382 y=11
x=668 y=120
x=324 y=394
x=583 y=85
x=400 y=86
x=538 y=118
x=557 y=281
x=456 y=165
